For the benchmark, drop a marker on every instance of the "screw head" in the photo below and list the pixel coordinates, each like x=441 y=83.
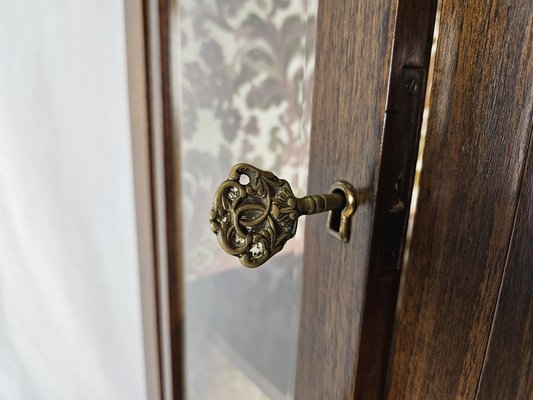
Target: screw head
x=411 y=87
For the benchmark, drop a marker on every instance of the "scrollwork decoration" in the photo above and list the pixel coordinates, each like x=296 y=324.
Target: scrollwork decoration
x=254 y=220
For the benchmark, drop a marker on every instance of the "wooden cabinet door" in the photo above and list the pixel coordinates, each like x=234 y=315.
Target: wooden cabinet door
x=371 y=69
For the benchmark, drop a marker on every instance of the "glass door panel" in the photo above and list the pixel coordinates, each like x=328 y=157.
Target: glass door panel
x=245 y=71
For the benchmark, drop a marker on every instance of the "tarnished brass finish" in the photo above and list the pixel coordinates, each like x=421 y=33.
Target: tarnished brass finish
x=254 y=220
x=339 y=225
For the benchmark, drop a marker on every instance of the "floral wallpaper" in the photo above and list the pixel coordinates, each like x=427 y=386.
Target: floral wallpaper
x=246 y=81
x=245 y=72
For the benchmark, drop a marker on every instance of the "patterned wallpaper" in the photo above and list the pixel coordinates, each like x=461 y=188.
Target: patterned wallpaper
x=246 y=78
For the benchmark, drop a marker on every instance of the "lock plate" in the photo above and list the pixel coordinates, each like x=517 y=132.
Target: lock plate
x=398 y=170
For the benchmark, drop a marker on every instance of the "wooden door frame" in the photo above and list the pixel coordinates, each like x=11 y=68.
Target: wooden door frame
x=138 y=107
x=156 y=165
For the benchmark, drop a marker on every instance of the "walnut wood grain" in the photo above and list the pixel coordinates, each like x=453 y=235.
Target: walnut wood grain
x=345 y=302
x=508 y=369
x=413 y=37
x=479 y=130
x=352 y=67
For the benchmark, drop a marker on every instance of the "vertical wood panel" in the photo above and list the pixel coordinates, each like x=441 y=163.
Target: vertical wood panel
x=479 y=130
x=508 y=369
x=140 y=139
x=352 y=67
x=161 y=24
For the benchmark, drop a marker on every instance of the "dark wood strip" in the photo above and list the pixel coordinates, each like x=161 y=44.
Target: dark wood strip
x=168 y=18
x=161 y=21
x=479 y=129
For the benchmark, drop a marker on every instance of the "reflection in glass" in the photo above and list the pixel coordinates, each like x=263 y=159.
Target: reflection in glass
x=246 y=83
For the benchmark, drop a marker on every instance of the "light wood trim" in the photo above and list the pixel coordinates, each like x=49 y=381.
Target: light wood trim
x=138 y=104
x=156 y=168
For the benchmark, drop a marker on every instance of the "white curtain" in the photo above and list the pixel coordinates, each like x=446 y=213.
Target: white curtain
x=70 y=316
